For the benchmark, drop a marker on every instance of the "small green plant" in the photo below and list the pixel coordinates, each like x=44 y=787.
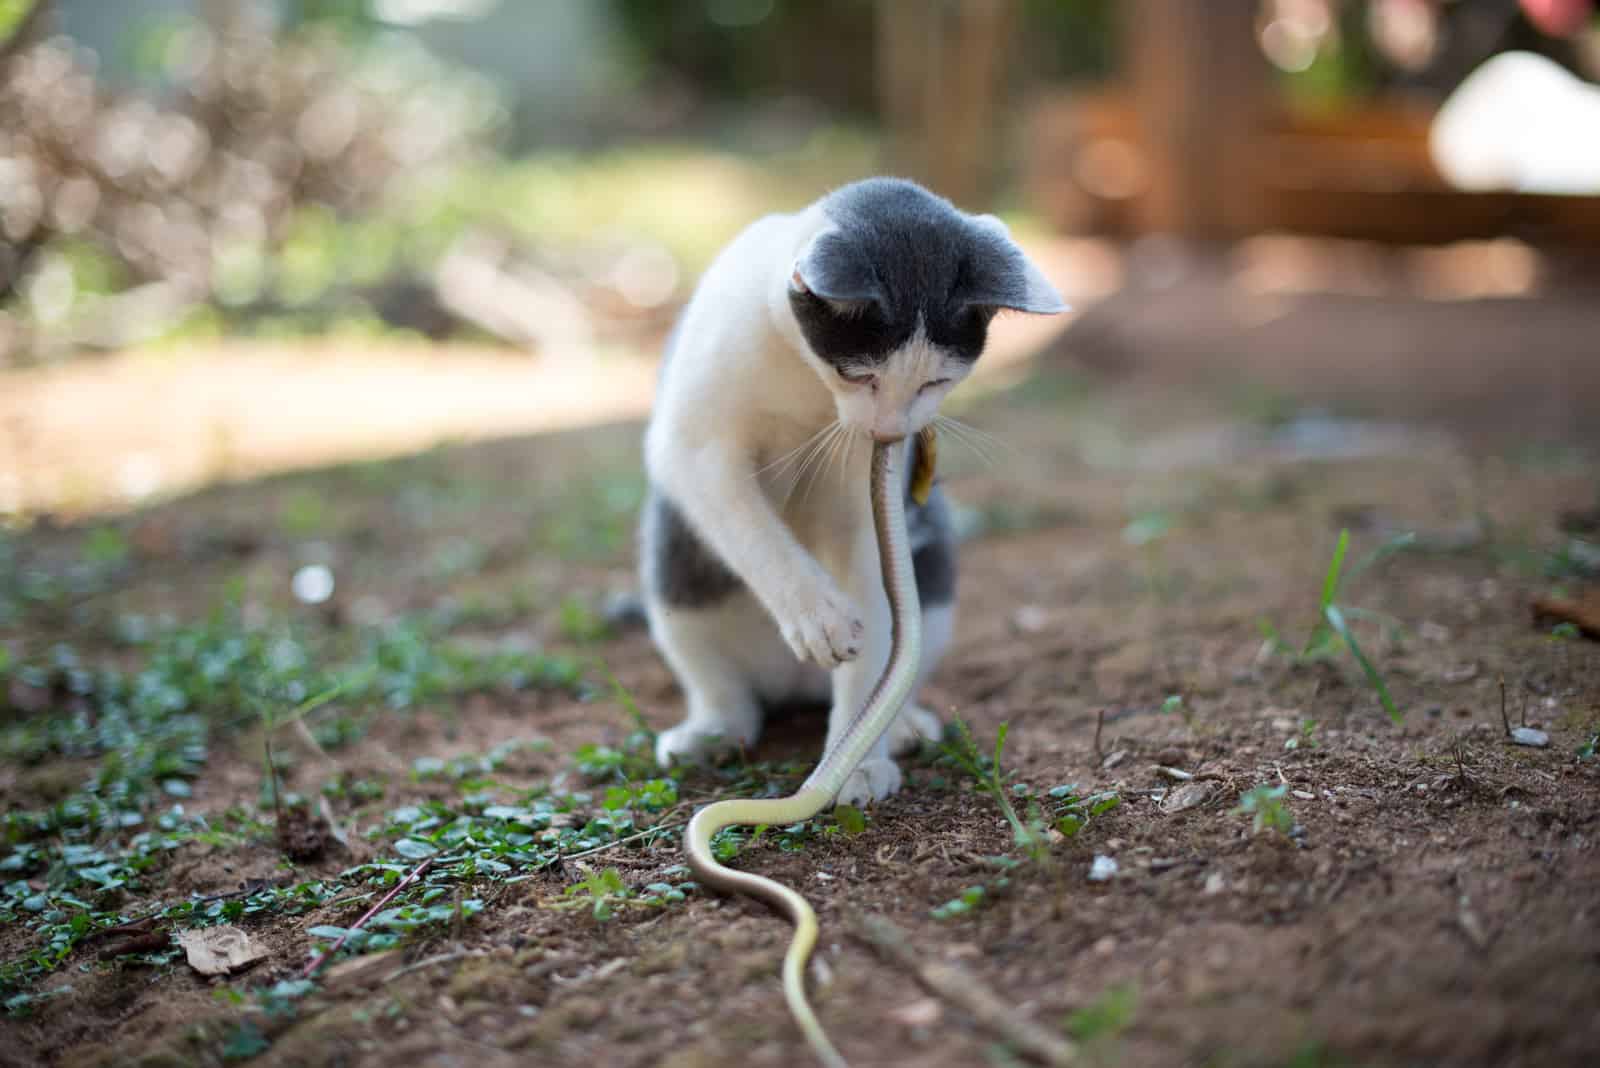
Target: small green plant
x=604 y=893
x=1332 y=635
x=1073 y=813
x=1265 y=806
x=1306 y=738
x=1565 y=632
x=969 y=899
x=1587 y=750
x=580 y=623
x=1106 y=1017
x=960 y=749
x=602 y=890
x=1175 y=705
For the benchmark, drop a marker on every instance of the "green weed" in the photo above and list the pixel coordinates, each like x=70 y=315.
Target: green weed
x=1264 y=805
x=1106 y=1017
x=1332 y=635
x=960 y=749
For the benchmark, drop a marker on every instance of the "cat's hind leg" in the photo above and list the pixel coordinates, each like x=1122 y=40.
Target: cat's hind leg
x=725 y=650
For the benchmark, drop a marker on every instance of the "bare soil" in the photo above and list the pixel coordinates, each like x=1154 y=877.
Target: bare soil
x=1437 y=900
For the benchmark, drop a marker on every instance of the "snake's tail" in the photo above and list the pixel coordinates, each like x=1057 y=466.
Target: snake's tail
x=702 y=828
x=794 y=987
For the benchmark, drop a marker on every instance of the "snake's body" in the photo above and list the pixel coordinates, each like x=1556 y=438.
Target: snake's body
x=831 y=773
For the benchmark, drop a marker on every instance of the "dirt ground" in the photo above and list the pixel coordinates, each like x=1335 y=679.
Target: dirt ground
x=1430 y=897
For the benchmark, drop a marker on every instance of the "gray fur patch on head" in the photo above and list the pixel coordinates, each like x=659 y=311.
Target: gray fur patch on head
x=896 y=256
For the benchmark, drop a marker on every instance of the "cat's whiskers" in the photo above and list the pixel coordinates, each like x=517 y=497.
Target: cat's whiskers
x=793 y=455
x=844 y=457
x=979 y=434
x=834 y=443
x=963 y=434
x=809 y=467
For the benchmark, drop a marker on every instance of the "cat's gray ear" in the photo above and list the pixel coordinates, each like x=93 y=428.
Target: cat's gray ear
x=1024 y=287
x=833 y=268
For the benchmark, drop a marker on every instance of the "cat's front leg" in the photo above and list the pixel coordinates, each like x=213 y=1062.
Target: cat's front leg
x=718 y=493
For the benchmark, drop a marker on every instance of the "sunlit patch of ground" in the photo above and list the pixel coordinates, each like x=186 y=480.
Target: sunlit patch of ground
x=102 y=434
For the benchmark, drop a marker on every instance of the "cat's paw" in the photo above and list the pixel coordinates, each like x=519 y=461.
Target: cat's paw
x=698 y=743
x=913 y=726
x=874 y=779
x=822 y=625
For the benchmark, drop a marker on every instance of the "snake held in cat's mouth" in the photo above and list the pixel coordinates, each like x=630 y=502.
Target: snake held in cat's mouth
x=831 y=773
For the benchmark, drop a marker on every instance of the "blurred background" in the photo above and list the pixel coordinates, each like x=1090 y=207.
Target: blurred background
x=243 y=235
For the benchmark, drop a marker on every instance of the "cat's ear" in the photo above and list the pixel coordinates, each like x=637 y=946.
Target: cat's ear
x=1022 y=287
x=833 y=268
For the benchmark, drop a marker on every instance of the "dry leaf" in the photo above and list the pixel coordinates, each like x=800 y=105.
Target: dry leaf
x=219 y=950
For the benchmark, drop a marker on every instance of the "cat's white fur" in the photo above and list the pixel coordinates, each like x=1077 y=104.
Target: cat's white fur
x=743 y=390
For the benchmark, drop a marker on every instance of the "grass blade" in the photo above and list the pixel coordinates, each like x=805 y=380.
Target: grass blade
x=1330 y=581
x=1337 y=621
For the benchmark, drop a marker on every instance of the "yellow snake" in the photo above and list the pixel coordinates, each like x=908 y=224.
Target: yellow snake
x=863 y=731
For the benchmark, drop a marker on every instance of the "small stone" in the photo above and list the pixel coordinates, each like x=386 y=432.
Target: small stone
x=1529 y=736
x=1175 y=774
x=1434 y=632
x=312 y=584
x=1114 y=759
x=1305 y=795
x=1214 y=884
x=1102 y=869
x=1030 y=619
x=1105 y=946
x=1189 y=795
x=918 y=1014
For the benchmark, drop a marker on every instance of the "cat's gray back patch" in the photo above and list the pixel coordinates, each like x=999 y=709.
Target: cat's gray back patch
x=675 y=564
x=933 y=549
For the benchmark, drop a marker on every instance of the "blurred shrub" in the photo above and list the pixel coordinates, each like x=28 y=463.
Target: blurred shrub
x=233 y=187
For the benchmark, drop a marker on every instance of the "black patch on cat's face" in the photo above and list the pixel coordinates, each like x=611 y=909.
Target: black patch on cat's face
x=900 y=256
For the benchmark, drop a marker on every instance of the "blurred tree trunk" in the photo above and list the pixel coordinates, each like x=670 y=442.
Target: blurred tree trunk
x=940 y=76
x=1200 y=88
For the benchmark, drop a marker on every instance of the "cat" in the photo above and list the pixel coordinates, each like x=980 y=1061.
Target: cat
x=811 y=336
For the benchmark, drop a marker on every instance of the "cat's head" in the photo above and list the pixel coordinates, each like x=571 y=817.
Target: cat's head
x=894 y=297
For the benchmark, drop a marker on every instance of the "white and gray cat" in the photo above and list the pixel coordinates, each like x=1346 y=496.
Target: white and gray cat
x=810 y=336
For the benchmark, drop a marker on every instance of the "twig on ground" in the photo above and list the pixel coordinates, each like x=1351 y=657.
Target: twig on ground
x=416 y=873
x=150 y=942
x=612 y=845
x=1099 y=725
x=1505 y=720
x=956 y=984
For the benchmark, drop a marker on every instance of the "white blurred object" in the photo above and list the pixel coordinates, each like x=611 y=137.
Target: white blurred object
x=312 y=584
x=1520 y=122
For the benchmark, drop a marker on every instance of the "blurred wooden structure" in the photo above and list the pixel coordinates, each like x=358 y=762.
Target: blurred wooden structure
x=940 y=73
x=1195 y=143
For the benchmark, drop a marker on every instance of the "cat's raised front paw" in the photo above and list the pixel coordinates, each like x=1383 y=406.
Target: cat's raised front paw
x=696 y=743
x=874 y=779
x=821 y=625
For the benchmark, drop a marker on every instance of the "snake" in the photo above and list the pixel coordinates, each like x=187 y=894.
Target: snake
x=820 y=789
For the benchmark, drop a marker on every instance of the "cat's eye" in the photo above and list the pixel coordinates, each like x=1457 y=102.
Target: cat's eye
x=935 y=384
x=859 y=378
